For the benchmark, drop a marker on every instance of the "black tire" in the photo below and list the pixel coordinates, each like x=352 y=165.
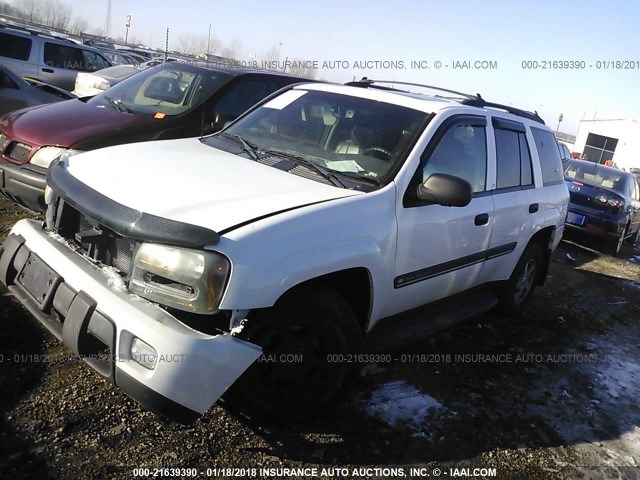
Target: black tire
x=632 y=239
x=523 y=280
x=613 y=246
x=316 y=323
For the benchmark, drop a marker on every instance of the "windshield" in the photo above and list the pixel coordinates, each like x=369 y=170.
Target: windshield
x=595 y=175
x=357 y=137
x=165 y=91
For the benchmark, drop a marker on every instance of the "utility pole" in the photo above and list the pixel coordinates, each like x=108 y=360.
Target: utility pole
x=107 y=22
x=166 y=46
x=559 y=122
x=208 y=42
x=128 y=24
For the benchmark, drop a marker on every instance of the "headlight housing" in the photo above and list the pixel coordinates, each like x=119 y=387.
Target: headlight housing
x=101 y=85
x=190 y=280
x=44 y=156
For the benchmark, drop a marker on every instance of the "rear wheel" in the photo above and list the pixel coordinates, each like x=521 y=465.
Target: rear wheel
x=615 y=245
x=633 y=238
x=523 y=280
x=305 y=339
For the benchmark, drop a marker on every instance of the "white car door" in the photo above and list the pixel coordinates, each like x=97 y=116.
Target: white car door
x=441 y=250
x=516 y=210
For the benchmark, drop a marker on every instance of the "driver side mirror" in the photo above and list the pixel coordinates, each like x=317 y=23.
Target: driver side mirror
x=445 y=190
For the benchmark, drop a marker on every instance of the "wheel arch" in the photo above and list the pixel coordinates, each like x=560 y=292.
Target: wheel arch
x=544 y=239
x=354 y=285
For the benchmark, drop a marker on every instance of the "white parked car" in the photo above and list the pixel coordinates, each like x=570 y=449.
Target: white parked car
x=90 y=84
x=255 y=262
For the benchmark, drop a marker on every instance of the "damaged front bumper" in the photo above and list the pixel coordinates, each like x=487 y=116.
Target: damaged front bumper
x=102 y=323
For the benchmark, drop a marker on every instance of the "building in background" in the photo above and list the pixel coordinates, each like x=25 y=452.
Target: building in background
x=615 y=139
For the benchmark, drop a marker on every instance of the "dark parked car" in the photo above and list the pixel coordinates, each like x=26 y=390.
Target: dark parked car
x=170 y=101
x=16 y=93
x=605 y=202
x=565 y=154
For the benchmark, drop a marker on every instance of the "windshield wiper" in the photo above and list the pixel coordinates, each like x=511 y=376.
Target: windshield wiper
x=246 y=146
x=308 y=163
x=117 y=104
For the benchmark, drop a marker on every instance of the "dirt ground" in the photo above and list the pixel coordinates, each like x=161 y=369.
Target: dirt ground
x=551 y=395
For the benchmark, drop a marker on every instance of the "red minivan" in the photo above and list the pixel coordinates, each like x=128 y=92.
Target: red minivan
x=174 y=100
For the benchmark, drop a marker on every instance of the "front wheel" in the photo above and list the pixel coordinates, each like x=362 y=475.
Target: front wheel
x=523 y=280
x=306 y=338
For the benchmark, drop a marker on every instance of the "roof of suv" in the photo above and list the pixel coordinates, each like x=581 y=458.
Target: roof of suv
x=423 y=102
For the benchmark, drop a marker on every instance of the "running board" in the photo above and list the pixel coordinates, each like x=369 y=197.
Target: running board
x=417 y=325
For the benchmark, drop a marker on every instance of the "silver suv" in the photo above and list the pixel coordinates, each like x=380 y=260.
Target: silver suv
x=52 y=60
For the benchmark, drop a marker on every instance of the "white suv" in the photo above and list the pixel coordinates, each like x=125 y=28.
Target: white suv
x=265 y=255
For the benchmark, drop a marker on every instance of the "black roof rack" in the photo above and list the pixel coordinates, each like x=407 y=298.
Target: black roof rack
x=36 y=31
x=480 y=103
x=470 y=100
x=367 y=82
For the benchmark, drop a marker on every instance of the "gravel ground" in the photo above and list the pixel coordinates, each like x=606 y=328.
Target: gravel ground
x=552 y=394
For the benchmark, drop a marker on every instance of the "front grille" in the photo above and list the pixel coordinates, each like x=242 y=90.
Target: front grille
x=18 y=151
x=95 y=240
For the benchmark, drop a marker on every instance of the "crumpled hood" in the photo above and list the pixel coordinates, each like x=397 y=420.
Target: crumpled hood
x=187 y=181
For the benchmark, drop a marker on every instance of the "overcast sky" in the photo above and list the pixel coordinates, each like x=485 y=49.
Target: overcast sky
x=507 y=32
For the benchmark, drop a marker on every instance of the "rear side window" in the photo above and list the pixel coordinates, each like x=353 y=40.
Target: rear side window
x=72 y=58
x=13 y=46
x=513 y=159
x=92 y=61
x=550 y=161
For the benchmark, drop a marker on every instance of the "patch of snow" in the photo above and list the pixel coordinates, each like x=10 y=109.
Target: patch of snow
x=114 y=279
x=620 y=377
x=237 y=330
x=570 y=258
x=634 y=259
x=398 y=402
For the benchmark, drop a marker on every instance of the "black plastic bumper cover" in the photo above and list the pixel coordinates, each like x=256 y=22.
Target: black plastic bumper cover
x=82 y=320
x=23 y=185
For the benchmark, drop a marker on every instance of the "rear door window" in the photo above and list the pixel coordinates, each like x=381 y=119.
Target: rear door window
x=13 y=46
x=62 y=56
x=72 y=58
x=512 y=156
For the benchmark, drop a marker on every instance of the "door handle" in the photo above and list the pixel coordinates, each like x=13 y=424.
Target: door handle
x=481 y=219
x=47 y=70
x=533 y=208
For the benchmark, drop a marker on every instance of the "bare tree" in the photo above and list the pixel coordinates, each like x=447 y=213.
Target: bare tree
x=51 y=13
x=97 y=31
x=30 y=9
x=232 y=49
x=271 y=57
x=192 y=44
x=302 y=68
x=79 y=26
